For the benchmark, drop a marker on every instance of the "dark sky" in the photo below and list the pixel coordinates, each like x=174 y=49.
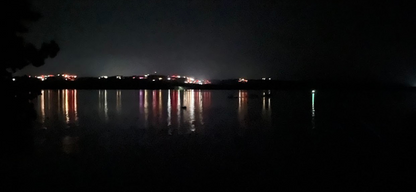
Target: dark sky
x=291 y=40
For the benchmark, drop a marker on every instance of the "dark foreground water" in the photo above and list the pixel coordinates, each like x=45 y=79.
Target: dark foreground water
x=145 y=139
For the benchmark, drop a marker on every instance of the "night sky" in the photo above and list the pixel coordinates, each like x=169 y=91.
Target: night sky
x=288 y=40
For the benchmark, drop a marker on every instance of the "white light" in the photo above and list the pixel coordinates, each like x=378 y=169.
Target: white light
x=263 y=78
x=153 y=80
x=168 y=78
x=178 y=76
x=270 y=78
x=313 y=91
x=160 y=78
x=13 y=79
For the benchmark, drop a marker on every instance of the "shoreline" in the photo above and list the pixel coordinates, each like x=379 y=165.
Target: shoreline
x=129 y=84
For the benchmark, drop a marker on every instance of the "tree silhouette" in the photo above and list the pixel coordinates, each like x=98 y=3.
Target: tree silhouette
x=16 y=52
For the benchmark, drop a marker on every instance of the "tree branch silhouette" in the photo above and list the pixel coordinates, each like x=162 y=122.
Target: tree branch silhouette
x=17 y=52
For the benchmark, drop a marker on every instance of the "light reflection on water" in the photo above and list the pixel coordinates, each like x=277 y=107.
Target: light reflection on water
x=214 y=117
x=169 y=108
x=177 y=111
x=242 y=106
x=62 y=101
x=42 y=106
x=118 y=101
x=266 y=107
x=200 y=101
x=103 y=104
x=313 y=109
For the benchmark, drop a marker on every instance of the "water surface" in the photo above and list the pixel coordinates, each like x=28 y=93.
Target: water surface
x=344 y=139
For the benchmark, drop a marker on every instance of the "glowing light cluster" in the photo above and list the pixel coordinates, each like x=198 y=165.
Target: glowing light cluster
x=191 y=80
x=64 y=76
x=181 y=78
x=242 y=80
x=43 y=77
x=103 y=77
x=69 y=77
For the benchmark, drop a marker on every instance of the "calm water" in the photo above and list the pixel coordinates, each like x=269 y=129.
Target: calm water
x=152 y=109
x=344 y=139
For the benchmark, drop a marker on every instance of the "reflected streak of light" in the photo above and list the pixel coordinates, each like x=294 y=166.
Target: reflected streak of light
x=266 y=107
x=269 y=103
x=141 y=95
x=42 y=105
x=105 y=105
x=179 y=108
x=269 y=100
x=118 y=101
x=141 y=100
x=169 y=109
x=63 y=101
x=242 y=106
x=313 y=104
x=59 y=101
x=239 y=100
x=154 y=109
x=76 y=105
x=207 y=100
x=49 y=101
x=99 y=101
x=66 y=106
x=146 y=110
x=185 y=102
x=201 y=119
x=160 y=106
x=313 y=109
x=242 y=98
x=192 y=110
